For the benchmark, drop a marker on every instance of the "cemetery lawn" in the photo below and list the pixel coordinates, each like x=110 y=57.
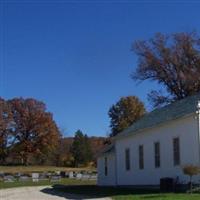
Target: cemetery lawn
x=29 y=169
x=63 y=182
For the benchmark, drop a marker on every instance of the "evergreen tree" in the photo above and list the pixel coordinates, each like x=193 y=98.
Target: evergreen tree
x=81 y=149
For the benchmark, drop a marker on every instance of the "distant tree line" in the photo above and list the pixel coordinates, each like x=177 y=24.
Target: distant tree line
x=79 y=150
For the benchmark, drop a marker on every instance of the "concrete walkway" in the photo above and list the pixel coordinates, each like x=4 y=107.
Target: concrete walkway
x=38 y=193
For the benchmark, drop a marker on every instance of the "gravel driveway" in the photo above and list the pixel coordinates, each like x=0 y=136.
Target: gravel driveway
x=37 y=193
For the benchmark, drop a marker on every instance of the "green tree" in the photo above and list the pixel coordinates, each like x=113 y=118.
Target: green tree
x=171 y=60
x=125 y=112
x=81 y=149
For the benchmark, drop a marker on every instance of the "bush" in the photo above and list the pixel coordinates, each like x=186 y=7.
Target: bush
x=191 y=170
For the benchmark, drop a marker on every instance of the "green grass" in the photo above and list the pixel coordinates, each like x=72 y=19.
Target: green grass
x=159 y=197
x=88 y=189
x=92 y=191
x=29 y=169
x=63 y=182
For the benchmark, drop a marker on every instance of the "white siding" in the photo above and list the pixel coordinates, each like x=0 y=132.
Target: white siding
x=187 y=131
x=108 y=180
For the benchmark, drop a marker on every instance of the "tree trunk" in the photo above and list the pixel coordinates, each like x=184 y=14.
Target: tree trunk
x=190 y=184
x=22 y=161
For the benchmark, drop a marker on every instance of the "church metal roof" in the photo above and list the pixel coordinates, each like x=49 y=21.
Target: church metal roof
x=172 y=111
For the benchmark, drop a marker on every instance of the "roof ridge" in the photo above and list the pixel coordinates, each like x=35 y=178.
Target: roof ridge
x=171 y=111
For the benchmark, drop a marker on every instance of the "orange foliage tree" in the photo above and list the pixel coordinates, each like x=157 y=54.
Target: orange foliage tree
x=5 y=119
x=35 y=133
x=125 y=112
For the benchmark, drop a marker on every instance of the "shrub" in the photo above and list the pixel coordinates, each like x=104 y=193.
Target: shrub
x=191 y=170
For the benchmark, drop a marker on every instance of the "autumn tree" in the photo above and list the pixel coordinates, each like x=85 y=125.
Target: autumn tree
x=191 y=171
x=5 y=125
x=35 y=132
x=171 y=60
x=62 y=156
x=97 y=144
x=125 y=112
x=81 y=149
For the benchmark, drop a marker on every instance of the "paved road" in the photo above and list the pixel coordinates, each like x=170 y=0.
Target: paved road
x=37 y=193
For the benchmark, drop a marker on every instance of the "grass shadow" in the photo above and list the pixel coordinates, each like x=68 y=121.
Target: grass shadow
x=93 y=191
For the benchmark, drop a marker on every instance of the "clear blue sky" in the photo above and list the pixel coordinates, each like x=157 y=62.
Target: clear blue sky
x=75 y=55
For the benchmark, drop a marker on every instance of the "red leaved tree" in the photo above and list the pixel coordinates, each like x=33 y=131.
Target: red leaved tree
x=35 y=132
x=5 y=123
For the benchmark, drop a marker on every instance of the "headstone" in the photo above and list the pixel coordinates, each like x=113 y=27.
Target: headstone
x=57 y=173
x=43 y=177
x=62 y=174
x=24 y=178
x=49 y=175
x=1 y=174
x=93 y=177
x=9 y=179
x=55 y=178
x=78 y=176
x=71 y=174
x=67 y=174
x=17 y=175
x=35 y=177
x=85 y=176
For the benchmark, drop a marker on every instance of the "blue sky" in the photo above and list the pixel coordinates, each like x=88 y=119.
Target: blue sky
x=75 y=55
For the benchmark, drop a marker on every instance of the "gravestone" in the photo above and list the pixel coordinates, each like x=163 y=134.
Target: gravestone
x=43 y=177
x=1 y=174
x=78 y=176
x=49 y=174
x=93 y=177
x=57 y=173
x=24 y=178
x=17 y=175
x=62 y=174
x=71 y=174
x=55 y=178
x=85 y=176
x=35 y=177
x=9 y=179
x=67 y=174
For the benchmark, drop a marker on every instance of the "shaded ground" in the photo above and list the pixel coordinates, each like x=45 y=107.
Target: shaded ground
x=39 y=193
x=77 y=192
x=92 y=191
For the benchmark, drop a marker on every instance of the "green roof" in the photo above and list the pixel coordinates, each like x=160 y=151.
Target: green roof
x=172 y=111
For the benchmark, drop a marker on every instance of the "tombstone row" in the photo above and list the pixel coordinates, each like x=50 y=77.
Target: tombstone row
x=35 y=177
x=53 y=177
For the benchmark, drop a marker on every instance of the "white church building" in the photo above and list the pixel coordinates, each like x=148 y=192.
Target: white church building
x=158 y=145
